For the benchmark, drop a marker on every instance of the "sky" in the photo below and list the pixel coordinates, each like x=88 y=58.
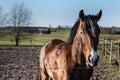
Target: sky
x=65 y=12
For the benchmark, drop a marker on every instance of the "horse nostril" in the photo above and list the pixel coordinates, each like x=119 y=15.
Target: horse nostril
x=90 y=58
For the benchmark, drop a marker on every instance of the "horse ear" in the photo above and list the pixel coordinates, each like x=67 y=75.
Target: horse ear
x=98 y=15
x=81 y=14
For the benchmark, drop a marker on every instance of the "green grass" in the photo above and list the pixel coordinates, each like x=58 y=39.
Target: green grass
x=7 y=42
x=109 y=36
x=7 y=38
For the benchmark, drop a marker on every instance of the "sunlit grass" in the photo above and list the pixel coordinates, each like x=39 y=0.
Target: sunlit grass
x=8 y=38
x=33 y=38
x=110 y=36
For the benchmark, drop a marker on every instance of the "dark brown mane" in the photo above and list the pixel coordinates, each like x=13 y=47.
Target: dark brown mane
x=73 y=32
x=92 y=18
x=75 y=27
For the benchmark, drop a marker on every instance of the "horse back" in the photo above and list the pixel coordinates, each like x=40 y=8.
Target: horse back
x=53 y=44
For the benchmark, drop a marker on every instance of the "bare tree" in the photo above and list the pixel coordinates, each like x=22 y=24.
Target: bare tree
x=20 y=15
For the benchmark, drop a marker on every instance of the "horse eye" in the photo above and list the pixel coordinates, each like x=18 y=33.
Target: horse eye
x=81 y=32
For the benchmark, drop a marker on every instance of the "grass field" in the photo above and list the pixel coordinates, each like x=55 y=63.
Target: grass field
x=7 y=37
x=110 y=36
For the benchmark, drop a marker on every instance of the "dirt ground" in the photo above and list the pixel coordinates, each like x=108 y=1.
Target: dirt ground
x=21 y=63
x=18 y=63
x=106 y=71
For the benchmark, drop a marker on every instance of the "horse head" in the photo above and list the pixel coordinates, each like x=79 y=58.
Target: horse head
x=88 y=31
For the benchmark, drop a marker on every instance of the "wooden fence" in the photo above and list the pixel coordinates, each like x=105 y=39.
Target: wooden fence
x=111 y=48
x=24 y=42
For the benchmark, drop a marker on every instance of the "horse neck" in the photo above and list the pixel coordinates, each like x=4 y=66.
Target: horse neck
x=76 y=49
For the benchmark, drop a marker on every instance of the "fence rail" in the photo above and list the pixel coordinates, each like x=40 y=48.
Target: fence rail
x=111 y=48
x=26 y=42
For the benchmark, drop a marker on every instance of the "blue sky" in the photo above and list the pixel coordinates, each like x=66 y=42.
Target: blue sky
x=65 y=12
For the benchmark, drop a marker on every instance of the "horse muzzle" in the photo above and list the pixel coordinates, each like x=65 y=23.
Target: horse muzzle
x=91 y=64
x=92 y=59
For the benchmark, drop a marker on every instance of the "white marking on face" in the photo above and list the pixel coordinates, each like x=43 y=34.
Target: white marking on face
x=92 y=27
x=91 y=23
x=94 y=55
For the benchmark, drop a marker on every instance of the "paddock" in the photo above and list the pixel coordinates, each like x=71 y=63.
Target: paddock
x=22 y=64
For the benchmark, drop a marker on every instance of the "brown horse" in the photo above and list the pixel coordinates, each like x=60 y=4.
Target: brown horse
x=74 y=59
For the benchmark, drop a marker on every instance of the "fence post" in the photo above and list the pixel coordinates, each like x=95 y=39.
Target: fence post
x=11 y=42
x=107 y=43
x=118 y=50
x=104 y=47
x=30 y=42
x=110 y=51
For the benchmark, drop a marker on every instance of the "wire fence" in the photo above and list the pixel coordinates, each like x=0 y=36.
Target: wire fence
x=111 y=48
x=26 y=42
